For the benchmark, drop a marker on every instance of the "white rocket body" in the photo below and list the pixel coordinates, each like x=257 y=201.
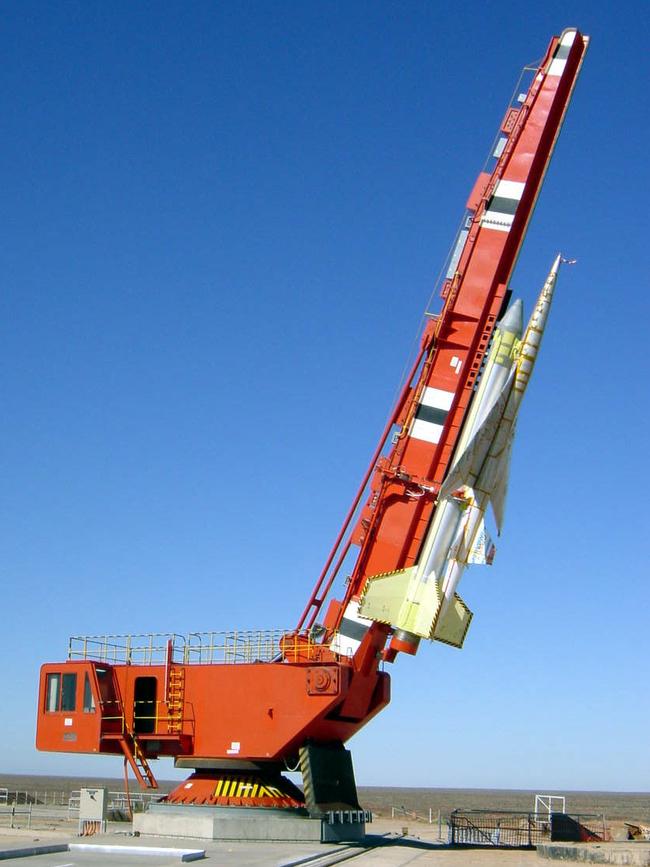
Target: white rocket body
x=421 y=601
x=444 y=527
x=483 y=467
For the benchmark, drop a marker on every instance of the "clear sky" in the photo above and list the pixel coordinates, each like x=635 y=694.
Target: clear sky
x=222 y=222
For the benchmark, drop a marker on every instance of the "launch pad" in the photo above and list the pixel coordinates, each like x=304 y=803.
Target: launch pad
x=251 y=823
x=246 y=800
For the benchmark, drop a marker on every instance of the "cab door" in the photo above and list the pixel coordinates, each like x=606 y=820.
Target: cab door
x=144 y=705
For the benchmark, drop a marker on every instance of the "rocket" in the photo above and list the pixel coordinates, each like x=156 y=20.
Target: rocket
x=421 y=601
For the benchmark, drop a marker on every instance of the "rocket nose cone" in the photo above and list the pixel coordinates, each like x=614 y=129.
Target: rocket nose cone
x=513 y=318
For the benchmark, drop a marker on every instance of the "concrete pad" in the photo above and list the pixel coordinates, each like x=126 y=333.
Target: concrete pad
x=230 y=827
x=628 y=853
x=200 y=827
x=102 y=849
x=243 y=824
x=150 y=851
x=29 y=851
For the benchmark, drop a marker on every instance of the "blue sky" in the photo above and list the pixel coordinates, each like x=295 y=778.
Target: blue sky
x=222 y=223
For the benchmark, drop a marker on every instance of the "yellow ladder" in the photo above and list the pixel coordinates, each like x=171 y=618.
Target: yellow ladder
x=175 y=700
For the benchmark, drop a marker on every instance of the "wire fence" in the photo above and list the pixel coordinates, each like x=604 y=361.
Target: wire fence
x=43 y=797
x=498 y=829
x=16 y=817
x=430 y=816
x=504 y=829
x=22 y=807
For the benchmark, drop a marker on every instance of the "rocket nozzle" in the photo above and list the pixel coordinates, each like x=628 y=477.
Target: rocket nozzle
x=404 y=642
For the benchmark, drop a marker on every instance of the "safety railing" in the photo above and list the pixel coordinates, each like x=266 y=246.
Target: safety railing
x=11 y=813
x=200 y=648
x=141 y=649
x=145 y=723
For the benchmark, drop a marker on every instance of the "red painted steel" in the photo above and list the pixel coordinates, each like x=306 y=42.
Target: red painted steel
x=393 y=523
x=260 y=711
x=237 y=790
x=265 y=711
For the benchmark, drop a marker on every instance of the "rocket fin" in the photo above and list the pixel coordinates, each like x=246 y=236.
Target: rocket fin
x=384 y=595
x=500 y=490
x=452 y=627
x=421 y=607
x=467 y=468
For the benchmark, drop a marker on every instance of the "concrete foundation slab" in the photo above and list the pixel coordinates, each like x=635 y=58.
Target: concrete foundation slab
x=243 y=823
x=635 y=854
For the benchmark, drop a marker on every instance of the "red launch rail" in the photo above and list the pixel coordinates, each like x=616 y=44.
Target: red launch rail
x=231 y=705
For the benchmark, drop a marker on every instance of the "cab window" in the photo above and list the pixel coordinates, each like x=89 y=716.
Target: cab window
x=69 y=692
x=89 y=698
x=52 y=692
x=60 y=692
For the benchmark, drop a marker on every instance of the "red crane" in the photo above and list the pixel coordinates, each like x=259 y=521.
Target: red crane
x=238 y=708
